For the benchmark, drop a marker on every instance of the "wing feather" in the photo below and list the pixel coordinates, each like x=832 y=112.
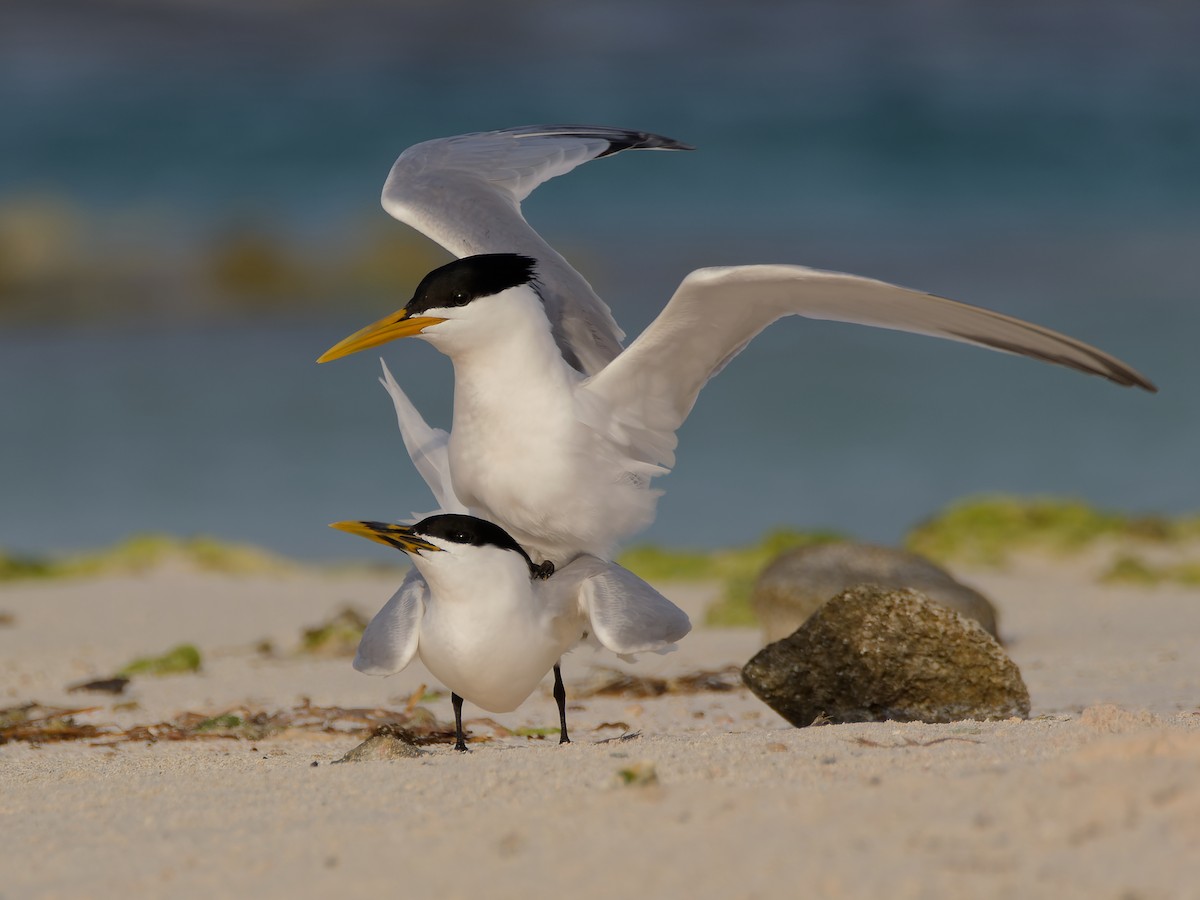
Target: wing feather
x=465 y=193
x=626 y=614
x=389 y=641
x=648 y=391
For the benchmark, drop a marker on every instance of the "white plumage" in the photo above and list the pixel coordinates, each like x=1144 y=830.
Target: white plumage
x=489 y=625
x=557 y=432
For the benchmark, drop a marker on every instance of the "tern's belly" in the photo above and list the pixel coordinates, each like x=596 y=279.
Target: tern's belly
x=494 y=665
x=556 y=501
x=520 y=456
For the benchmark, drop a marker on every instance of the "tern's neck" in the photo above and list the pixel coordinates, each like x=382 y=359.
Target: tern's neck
x=499 y=579
x=518 y=364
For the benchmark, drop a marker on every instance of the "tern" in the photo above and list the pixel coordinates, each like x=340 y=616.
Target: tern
x=489 y=622
x=557 y=431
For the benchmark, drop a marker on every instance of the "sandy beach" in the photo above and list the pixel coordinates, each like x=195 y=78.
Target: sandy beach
x=1097 y=794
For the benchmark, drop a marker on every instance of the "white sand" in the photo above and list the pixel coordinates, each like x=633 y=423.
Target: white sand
x=1097 y=795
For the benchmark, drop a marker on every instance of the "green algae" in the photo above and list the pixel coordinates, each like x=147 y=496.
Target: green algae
x=1130 y=568
x=531 y=732
x=639 y=774
x=987 y=530
x=178 y=660
x=17 y=567
x=339 y=636
x=144 y=552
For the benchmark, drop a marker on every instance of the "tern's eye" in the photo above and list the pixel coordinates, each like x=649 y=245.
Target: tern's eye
x=460 y=537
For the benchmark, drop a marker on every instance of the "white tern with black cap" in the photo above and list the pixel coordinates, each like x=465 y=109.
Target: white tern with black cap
x=557 y=431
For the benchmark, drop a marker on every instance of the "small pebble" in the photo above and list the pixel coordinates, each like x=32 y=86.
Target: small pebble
x=388 y=743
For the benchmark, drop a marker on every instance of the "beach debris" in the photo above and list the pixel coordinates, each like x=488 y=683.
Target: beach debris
x=39 y=724
x=178 y=660
x=627 y=735
x=339 y=636
x=874 y=655
x=797 y=583
x=114 y=685
x=909 y=742
x=615 y=683
x=387 y=742
x=35 y=723
x=638 y=774
x=223 y=722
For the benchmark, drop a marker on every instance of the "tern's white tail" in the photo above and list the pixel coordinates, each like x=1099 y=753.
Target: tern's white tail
x=426 y=446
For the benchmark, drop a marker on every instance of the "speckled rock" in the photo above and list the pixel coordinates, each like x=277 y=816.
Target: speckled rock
x=797 y=583
x=874 y=655
x=386 y=743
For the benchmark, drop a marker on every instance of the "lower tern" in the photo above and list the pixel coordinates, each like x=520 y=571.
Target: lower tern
x=557 y=431
x=489 y=622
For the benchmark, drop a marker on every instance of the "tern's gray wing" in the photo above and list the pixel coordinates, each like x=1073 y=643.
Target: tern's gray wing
x=390 y=640
x=465 y=193
x=427 y=447
x=645 y=394
x=626 y=614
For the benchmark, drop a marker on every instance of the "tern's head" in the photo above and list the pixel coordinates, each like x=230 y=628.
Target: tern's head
x=459 y=299
x=453 y=548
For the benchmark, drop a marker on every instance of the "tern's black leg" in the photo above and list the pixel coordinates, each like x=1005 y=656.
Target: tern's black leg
x=459 y=743
x=560 y=697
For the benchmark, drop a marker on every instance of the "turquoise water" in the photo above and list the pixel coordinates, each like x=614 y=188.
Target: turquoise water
x=1037 y=161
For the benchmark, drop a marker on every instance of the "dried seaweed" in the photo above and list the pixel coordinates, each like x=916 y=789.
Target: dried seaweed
x=114 y=685
x=621 y=738
x=909 y=742
x=36 y=724
x=613 y=683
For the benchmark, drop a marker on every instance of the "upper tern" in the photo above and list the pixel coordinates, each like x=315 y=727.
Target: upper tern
x=489 y=623
x=557 y=431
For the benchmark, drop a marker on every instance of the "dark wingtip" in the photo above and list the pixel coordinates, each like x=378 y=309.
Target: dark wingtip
x=1101 y=363
x=618 y=138
x=642 y=140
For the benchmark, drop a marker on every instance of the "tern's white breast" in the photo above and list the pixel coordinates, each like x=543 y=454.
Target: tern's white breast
x=519 y=454
x=489 y=633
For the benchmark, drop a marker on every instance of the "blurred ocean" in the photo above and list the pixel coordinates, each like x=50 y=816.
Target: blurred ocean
x=1039 y=159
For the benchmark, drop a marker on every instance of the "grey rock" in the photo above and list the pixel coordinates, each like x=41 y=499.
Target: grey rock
x=386 y=743
x=874 y=655
x=797 y=583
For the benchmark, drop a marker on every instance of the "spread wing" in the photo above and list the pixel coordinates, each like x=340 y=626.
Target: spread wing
x=389 y=641
x=465 y=192
x=645 y=394
x=626 y=614
x=427 y=446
